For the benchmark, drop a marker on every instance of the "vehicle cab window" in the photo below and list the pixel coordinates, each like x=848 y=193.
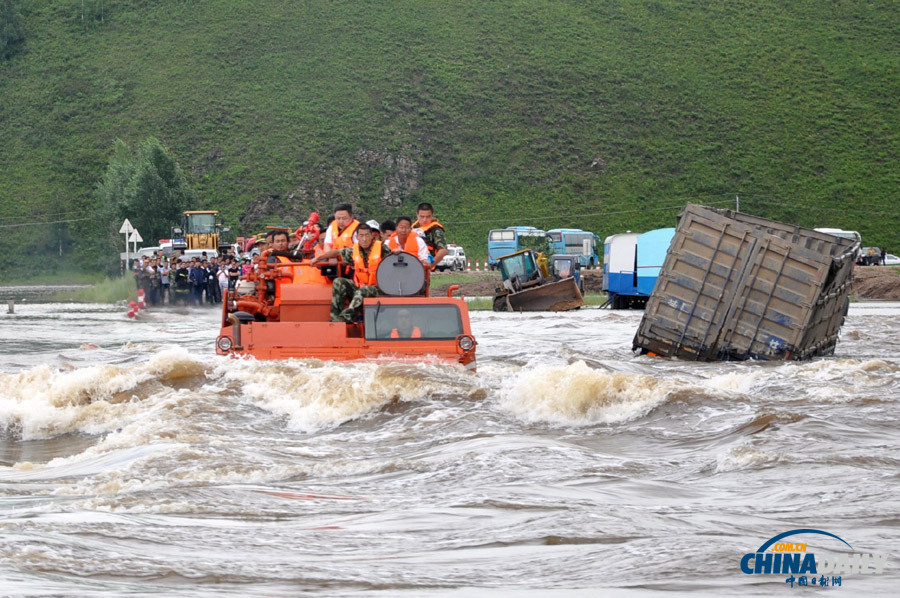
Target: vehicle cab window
x=416 y=322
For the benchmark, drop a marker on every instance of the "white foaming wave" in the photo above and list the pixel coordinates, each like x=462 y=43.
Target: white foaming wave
x=578 y=395
x=43 y=402
x=743 y=457
x=317 y=395
x=740 y=382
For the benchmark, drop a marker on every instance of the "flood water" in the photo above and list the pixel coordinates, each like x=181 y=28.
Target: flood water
x=133 y=461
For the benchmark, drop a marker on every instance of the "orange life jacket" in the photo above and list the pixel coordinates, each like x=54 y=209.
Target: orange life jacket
x=306 y=274
x=364 y=275
x=343 y=239
x=425 y=229
x=283 y=279
x=416 y=333
x=411 y=245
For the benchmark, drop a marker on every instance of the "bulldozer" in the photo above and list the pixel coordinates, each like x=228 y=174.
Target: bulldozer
x=200 y=229
x=528 y=285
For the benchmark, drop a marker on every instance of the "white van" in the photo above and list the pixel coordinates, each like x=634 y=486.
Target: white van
x=189 y=254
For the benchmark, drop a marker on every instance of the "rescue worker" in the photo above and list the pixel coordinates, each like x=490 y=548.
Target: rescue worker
x=341 y=233
x=406 y=240
x=432 y=232
x=280 y=241
x=376 y=229
x=404 y=326
x=365 y=255
x=388 y=229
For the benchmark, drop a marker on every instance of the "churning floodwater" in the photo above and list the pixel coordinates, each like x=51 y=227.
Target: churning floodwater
x=133 y=461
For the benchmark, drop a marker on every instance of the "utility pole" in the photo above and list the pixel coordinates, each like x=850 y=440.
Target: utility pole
x=737 y=203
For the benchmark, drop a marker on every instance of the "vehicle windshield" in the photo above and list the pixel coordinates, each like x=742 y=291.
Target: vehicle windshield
x=201 y=223
x=521 y=265
x=419 y=322
x=503 y=235
x=563 y=268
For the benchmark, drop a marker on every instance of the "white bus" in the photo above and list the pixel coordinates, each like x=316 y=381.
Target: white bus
x=845 y=234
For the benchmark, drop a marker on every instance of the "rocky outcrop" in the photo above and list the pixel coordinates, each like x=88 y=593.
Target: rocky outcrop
x=381 y=176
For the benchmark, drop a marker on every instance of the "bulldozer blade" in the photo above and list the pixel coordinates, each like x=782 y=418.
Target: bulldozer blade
x=561 y=295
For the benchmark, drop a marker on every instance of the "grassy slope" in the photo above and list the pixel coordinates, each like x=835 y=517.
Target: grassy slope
x=604 y=115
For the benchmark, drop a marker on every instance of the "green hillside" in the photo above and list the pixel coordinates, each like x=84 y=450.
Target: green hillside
x=599 y=115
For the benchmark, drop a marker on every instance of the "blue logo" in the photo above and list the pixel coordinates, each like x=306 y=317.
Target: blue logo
x=779 y=557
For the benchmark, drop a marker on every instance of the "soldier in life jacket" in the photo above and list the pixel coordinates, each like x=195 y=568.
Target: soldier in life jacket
x=432 y=232
x=364 y=255
x=341 y=232
x=408 y=241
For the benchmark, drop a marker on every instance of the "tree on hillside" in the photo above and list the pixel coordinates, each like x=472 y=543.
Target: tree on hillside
x=11 y=31
x=148 y=188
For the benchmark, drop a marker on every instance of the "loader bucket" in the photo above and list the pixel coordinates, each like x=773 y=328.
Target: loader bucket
x=562 y=295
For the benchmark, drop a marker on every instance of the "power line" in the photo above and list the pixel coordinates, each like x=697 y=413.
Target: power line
x=45 y=222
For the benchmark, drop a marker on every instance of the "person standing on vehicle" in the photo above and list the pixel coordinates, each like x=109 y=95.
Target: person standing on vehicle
x=341 y=233
x=432 y=232
x=365 y=255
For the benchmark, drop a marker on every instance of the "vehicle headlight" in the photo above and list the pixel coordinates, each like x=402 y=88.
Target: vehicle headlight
x=224 y=343
x=465 y=342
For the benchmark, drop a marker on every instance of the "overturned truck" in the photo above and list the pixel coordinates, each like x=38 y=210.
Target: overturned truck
x=736 y=286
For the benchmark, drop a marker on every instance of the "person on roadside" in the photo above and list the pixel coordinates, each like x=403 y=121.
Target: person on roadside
x=197 y=277
x=181 y=284
x=165 y=284
x=153 y=273
x=347 y=295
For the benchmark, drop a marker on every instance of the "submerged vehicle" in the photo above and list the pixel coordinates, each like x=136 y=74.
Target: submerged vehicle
x=283 y=311
x=528 y=285
x=737 y=286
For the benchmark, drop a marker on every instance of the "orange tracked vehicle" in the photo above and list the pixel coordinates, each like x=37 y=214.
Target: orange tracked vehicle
x=283 y=311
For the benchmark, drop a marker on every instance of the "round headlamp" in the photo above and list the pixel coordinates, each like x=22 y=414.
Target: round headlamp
x=224 y=343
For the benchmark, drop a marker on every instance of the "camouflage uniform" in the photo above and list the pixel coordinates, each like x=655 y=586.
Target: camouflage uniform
x=343 y=291
x=436 y=239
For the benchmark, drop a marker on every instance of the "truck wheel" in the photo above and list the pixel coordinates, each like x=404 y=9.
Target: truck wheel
x=500 y=303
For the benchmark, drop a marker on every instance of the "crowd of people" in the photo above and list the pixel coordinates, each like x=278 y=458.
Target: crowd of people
x=358 y=247
x=202 y=280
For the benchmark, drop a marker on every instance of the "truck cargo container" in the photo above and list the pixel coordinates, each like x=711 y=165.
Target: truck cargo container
x=737 y=286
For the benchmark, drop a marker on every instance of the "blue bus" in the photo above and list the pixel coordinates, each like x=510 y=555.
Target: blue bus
x=575 y=241
x=503 y=241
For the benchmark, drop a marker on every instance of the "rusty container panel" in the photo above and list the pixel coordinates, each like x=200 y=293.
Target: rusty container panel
x=736 y=286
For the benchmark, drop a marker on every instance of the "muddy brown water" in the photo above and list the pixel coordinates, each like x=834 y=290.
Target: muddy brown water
x=134 y=461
